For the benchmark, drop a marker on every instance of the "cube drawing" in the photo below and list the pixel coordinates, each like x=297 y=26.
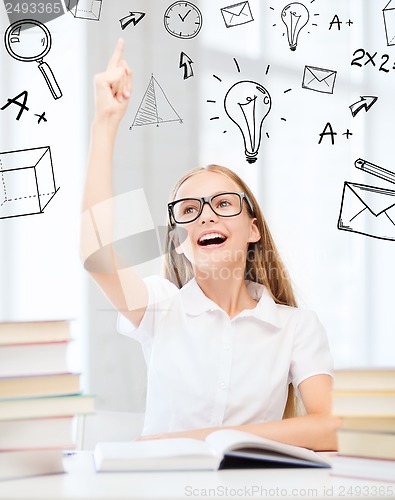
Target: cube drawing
x=85 y=9
x=27 y=182
x=389 y=22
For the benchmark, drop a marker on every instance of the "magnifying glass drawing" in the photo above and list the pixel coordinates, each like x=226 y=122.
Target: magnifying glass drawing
x=29 y=40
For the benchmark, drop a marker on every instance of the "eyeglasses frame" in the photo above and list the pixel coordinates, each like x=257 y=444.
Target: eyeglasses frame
x=207 y=199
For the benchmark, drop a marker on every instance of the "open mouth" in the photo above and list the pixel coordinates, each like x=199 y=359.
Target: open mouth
x=211 y=239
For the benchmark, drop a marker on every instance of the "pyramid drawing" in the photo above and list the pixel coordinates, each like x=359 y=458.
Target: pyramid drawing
x=155 y=108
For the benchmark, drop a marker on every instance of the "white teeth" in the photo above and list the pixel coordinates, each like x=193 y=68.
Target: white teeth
x=212 y=236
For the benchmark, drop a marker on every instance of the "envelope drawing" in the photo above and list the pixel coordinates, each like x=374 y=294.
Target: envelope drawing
x=319 y=79
x=368 y=210
x=237 y=14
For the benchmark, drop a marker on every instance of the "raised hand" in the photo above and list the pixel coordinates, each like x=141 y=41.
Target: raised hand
x=113 y=86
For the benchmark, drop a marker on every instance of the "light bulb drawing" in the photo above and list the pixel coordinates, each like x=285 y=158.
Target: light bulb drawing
x=295 y=16
x=247 y=104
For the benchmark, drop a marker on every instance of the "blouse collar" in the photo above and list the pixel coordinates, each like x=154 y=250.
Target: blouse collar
x=266 y=310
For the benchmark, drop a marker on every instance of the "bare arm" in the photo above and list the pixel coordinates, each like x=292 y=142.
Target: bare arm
x=112 y=91
x=316 y=430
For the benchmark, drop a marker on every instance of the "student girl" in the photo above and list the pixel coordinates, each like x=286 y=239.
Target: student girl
x=224 y=342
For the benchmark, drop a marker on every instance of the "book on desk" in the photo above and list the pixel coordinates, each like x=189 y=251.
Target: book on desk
x=221 y=449
x=40 y=400
x=364 y=399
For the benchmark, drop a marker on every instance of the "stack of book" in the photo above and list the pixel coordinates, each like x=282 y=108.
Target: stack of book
x=40 y=400
x=365 y=401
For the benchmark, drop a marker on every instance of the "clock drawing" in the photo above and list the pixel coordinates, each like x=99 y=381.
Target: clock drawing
x=183 y=20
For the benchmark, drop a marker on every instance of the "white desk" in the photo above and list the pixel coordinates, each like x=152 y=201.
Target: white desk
x=82 y=482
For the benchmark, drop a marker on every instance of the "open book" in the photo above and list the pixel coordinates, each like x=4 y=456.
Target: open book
x=221 y=449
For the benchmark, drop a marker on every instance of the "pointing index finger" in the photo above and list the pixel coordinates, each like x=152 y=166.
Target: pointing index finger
x=117 y=54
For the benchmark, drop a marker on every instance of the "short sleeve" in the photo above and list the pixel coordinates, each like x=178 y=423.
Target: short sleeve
x=161 y=294
x=310 y=353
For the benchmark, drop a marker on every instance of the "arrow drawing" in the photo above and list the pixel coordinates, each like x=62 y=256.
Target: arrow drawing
x=186 y=63
x=133 y=17
x=366 y=102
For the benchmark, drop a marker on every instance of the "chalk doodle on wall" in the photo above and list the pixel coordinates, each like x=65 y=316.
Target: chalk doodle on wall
x=85 y=9
x=365 y=102
x=319 y=79
x=27 y=181
x=247 y=104
x=155 y=108
x=366 y=209
x=183 y=20
x=29 y=40
x=295 y=16
x=186 y=64
x=133 y=18
x=362 y=57
x=389 y=22
x=237 y=14
x=20 y=101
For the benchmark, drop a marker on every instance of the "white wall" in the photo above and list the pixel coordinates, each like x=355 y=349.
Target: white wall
x=40 y=269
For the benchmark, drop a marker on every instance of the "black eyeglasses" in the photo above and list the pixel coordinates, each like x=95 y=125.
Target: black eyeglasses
x=226 y=204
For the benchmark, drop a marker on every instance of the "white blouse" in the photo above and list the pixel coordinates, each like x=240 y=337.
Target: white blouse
x=207 y=370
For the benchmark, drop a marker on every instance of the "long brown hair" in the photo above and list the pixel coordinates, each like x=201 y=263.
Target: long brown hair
x=263 y=264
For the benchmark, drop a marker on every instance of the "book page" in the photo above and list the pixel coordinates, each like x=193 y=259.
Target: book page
x=225 y=441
